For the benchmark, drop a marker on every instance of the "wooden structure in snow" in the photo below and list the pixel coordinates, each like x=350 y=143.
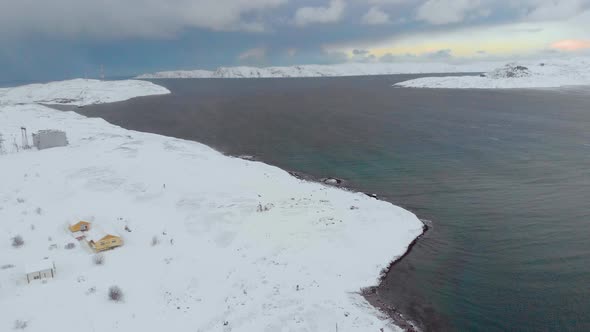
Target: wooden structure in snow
x=79 y=229
x=44 y=269
x=80 y=226
x=100 y=240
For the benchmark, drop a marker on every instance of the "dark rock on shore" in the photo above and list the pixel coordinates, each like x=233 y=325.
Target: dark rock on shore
x=332 y=181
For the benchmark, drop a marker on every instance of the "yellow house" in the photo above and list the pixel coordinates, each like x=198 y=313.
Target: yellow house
x=80 y=226
x=101 y=241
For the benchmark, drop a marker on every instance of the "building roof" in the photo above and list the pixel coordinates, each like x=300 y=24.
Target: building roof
x=49 y=131
x=43 y=265
x=79 y=221
x=97 y=233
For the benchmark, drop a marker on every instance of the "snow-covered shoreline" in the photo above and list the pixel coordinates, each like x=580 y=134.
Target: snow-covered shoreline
x=551 y=73
x=336 y=70
x=80 y=92
x=221 y=262
x=521 y=75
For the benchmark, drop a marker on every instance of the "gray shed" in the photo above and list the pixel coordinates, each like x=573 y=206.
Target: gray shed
x=45 y=139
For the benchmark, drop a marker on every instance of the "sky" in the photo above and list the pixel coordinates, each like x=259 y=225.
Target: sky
x=59 y=39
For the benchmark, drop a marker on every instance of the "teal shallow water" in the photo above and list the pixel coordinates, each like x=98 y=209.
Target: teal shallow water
x=503 y=176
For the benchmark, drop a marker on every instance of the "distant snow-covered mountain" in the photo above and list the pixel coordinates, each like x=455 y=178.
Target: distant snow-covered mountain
x=346 y=69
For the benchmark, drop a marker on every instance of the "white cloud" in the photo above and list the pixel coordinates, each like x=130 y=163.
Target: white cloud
x=446 y=11
x=331 y=14
x=375 y=16
x=128 y=18
x=256 y=54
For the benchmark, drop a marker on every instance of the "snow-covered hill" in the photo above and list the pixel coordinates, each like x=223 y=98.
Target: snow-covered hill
x=214 y=243
x=79 y=92
x=538 y=74
x=179 y=74
x=347 y=69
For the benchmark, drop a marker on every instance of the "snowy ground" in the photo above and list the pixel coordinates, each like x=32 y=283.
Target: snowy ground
x=219 y=264
x=346 y=69
x=539 y=74
x=79 y=92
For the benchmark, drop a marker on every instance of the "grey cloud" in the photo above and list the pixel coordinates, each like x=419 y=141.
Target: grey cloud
x=447 y=11
x=439 y=12
x=129 y=18
x=360 y=52
x=330 y=14
x=552 y=10
x=359 y=55
x=440 y=54
x=375 y=16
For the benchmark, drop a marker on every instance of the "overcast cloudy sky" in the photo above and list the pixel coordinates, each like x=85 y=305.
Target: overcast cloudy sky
x=56 y=39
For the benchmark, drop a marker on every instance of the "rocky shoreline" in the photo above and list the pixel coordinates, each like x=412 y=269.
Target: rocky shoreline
x=370 y=293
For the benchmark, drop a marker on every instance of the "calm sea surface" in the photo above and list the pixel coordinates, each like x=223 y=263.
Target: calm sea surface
x=503 y=177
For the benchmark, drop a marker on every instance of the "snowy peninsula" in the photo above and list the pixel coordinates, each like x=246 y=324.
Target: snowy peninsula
x=210 y=242
x=79 y=92
x=538 y=74
x=346 y=69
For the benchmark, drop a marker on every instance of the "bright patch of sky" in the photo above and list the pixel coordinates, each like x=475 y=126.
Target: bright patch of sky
x=74 y=38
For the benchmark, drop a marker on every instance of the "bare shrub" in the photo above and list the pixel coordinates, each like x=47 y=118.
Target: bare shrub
x=115 y=294
x=20 y=200
x=20 y=324
x=39 y=211
x=155 y=241
x=6 y=266
x=91 y=290
x=70 y=245
x=18 y=241
x=98 y=259
x=264 y=208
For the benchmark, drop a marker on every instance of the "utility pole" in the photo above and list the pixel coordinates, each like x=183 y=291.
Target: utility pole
x=25 y=138
x=15 y=145
x=1 y=144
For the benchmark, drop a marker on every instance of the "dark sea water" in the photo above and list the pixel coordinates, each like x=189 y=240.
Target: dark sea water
x=502 y=176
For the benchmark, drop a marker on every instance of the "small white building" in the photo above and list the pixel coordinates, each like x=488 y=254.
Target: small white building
x=44 y=269
x=45 y=139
